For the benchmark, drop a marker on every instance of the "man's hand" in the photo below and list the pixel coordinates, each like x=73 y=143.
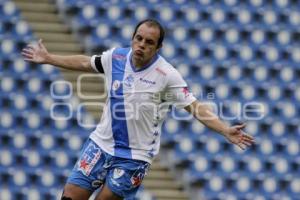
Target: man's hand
x=237 y=136
x=36 y=54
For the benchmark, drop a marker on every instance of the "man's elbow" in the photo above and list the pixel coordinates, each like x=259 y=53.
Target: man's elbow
x=191 y=108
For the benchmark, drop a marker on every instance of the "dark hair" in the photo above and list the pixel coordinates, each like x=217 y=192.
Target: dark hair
x=152 y=22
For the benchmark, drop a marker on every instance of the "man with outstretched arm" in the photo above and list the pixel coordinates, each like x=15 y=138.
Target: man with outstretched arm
x=141 y=85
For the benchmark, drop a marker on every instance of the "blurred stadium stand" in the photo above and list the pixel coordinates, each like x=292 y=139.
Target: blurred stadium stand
x=37 y=152
x=239 y=51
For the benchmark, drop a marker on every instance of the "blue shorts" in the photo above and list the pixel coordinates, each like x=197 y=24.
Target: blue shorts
x=95 y=167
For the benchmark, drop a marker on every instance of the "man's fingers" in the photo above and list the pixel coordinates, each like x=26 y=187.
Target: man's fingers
x=246 y=143
x=28 y=51
x=241 y=126
x=29 y=59
x=27 y=55
x=29 y=46
x=40 y=43
x=248 y=136
x=241 y=146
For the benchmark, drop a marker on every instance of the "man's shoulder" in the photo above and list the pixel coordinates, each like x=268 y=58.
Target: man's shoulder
x=121 y=50
x=165 y=66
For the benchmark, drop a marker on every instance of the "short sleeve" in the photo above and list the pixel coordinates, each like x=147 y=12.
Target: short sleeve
x=177 y=91
x=102 y=63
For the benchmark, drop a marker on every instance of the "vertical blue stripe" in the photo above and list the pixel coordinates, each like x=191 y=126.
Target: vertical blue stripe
x=117 y=108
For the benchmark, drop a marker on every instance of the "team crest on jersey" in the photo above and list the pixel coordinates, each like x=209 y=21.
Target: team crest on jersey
x=116 y=84
x=129 y=80
x=89 y=159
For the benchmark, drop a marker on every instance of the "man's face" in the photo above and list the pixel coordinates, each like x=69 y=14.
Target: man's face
x=144 y=44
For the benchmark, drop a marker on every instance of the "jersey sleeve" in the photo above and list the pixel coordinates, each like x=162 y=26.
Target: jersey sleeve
x=177 y=92
x=102 y=63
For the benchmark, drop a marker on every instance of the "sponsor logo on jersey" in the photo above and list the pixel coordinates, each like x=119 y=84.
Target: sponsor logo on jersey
x=116 y=84
x=89 y=159
x=147 y=81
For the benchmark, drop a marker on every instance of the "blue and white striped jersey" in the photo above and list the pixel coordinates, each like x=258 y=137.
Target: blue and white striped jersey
x=137 y=104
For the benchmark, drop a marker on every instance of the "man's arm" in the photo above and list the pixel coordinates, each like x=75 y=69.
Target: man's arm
x=39 y=54
x=234 y=134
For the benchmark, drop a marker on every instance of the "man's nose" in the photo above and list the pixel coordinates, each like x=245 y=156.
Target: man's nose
x=142 y=44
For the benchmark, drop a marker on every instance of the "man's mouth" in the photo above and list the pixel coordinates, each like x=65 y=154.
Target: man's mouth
x=139 y=53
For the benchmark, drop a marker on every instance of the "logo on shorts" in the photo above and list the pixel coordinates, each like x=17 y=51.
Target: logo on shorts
x=137 y=179
x=89 y=159
x=97 y=183
x=118 y=173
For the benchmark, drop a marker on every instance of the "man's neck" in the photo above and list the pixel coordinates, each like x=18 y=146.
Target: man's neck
x=139 y=65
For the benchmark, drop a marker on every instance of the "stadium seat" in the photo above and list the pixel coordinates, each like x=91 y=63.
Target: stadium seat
x=9 y=11
x=171 y=130
x=183 y=150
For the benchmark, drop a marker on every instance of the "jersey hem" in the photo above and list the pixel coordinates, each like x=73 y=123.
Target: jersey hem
x=134 y=157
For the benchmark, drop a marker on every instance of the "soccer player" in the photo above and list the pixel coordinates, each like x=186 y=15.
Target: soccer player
x=141 y=86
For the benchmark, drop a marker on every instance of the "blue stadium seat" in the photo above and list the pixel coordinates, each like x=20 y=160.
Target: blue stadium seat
x=141 y=12
x=293 y=187
x=9 y=11
x=7 y=120
x=8 y=46
x=22 y=31
x=166 y=14
x=170 y=131
x=185 y=148
x=199 y=167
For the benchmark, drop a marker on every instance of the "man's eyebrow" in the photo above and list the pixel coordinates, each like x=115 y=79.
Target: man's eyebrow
x=149 y=40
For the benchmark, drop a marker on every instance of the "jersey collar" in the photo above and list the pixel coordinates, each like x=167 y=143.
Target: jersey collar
x=155 y=57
